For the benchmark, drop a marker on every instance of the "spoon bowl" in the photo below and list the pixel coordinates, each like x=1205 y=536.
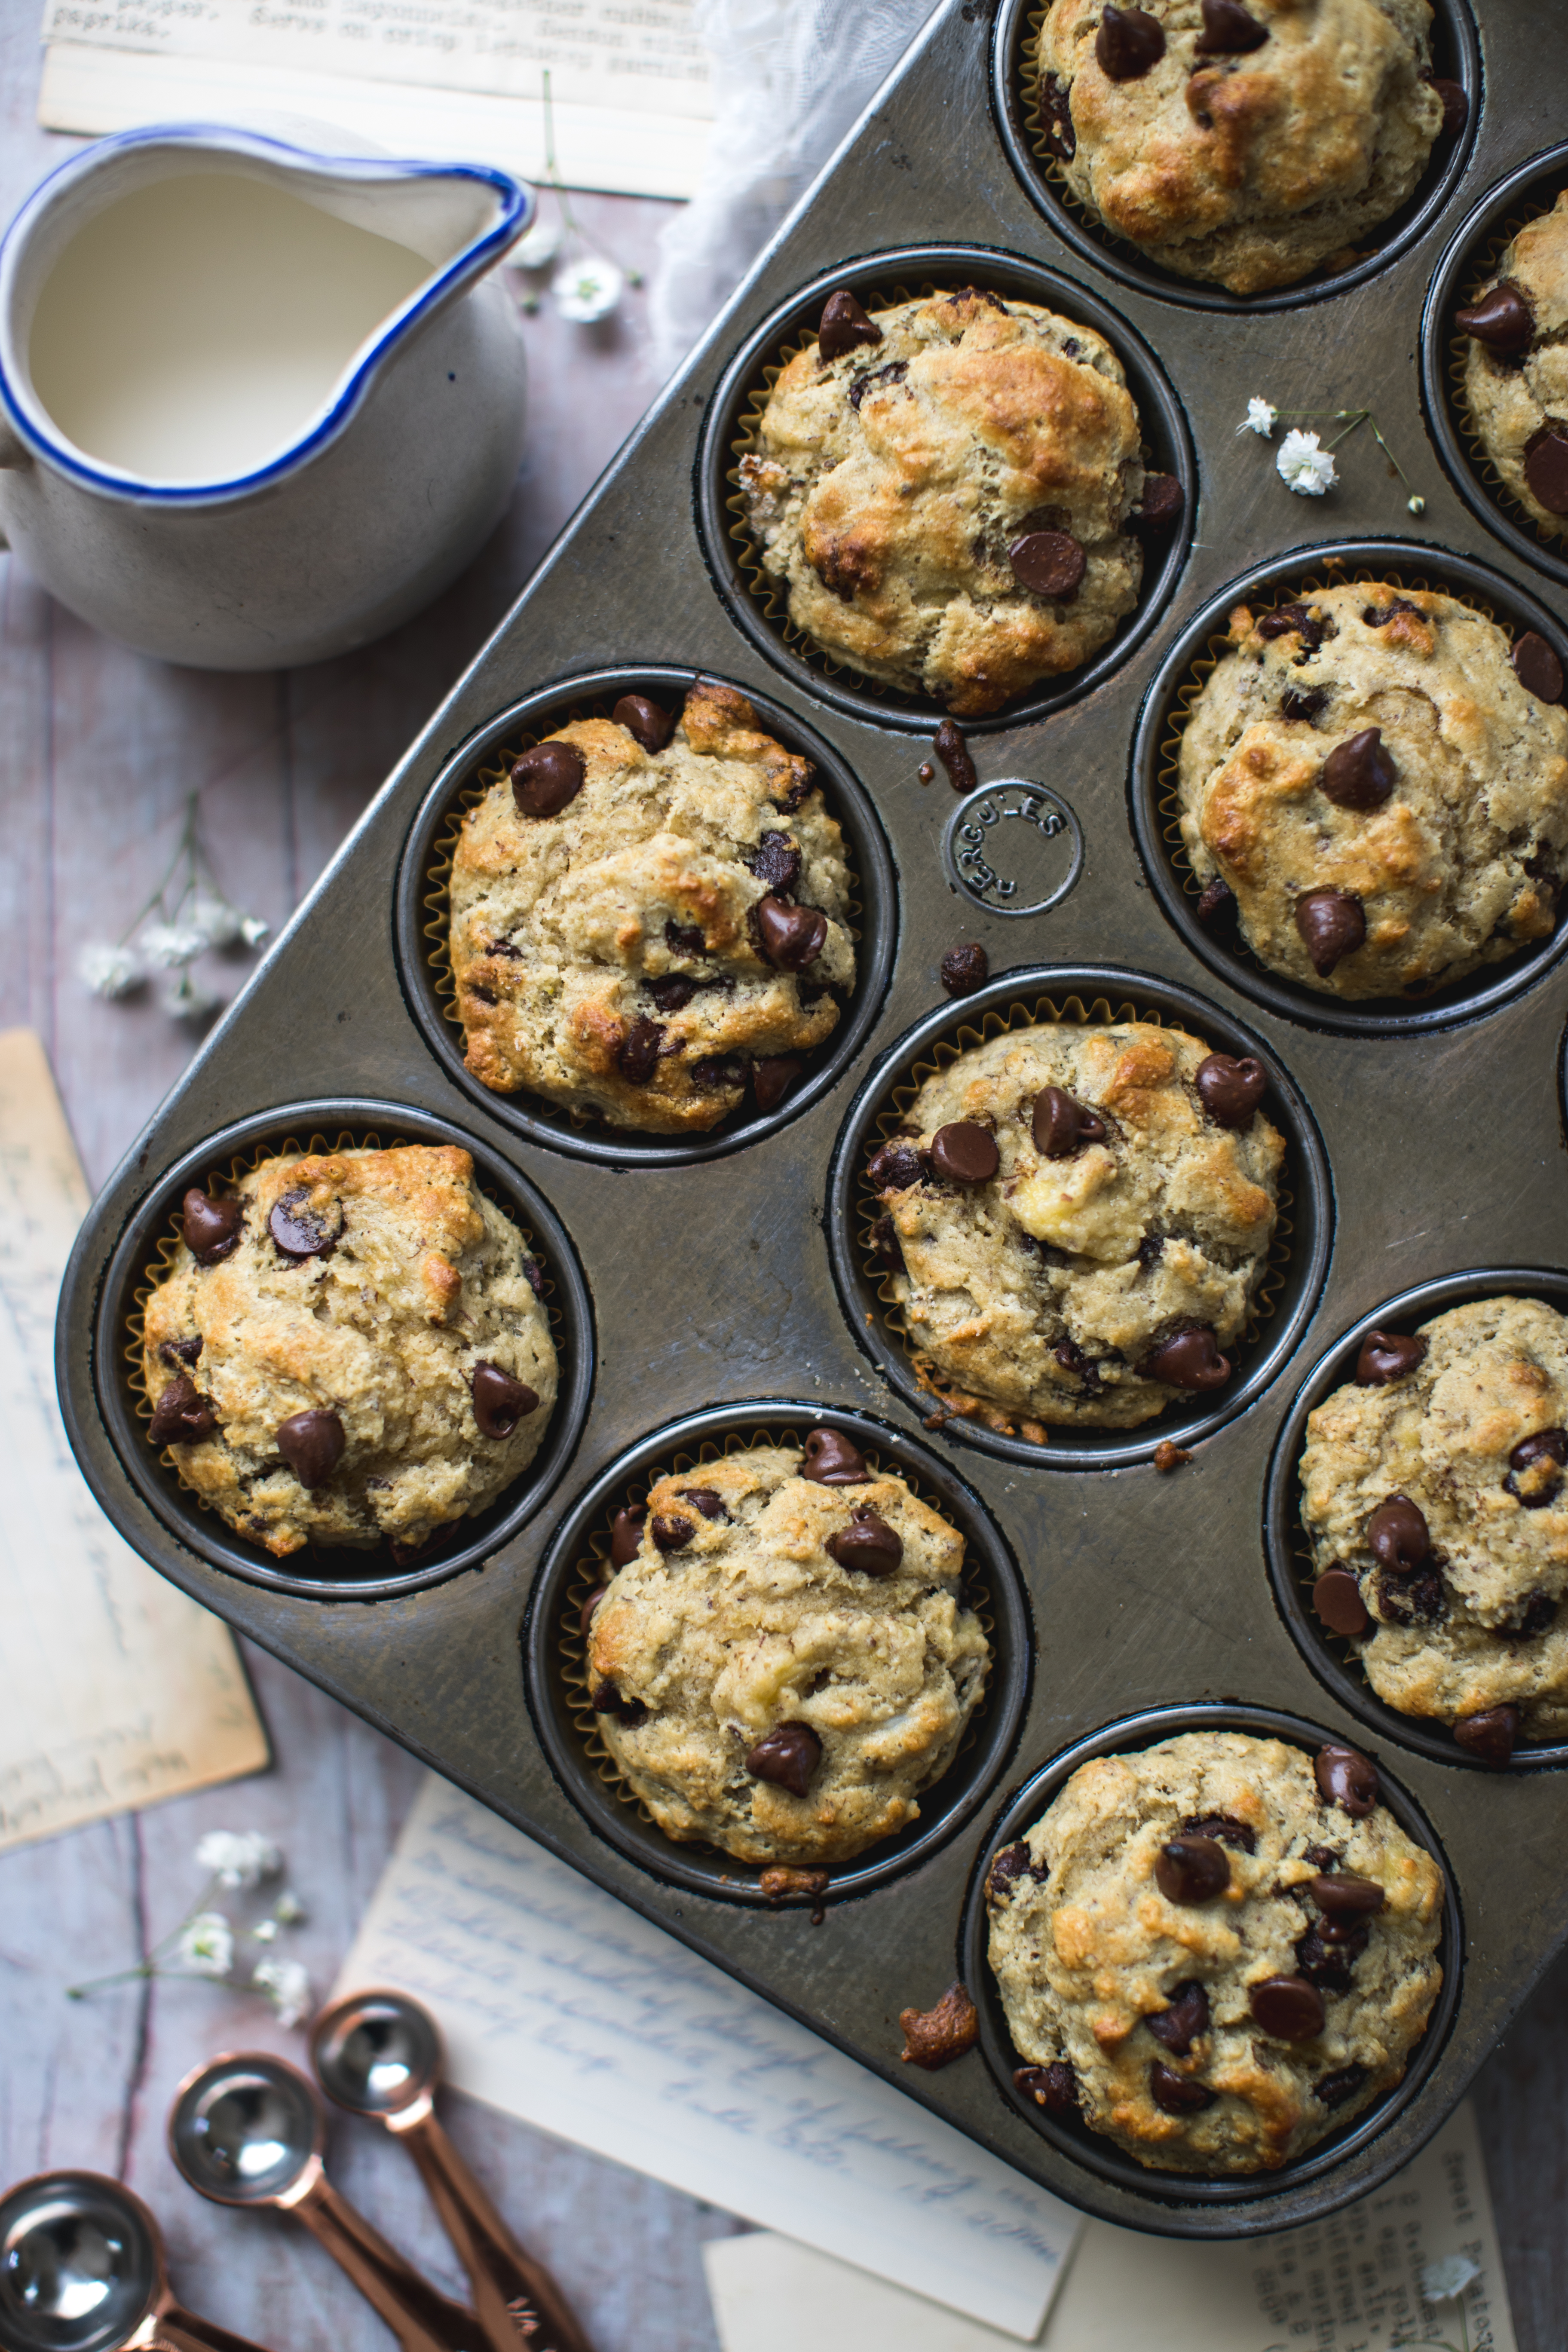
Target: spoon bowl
x=82 y=2269
x=376 y=2054
x=245 y=2130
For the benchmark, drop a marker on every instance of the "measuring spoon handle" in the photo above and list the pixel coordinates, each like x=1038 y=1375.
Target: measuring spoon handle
x=518 y=2301
x=173 y=2330
x=422 y=2318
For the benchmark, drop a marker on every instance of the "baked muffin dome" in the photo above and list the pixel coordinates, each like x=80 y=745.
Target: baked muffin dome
x=783 y=1665
x=1380 y=789
x=1209 y=1959
x=895 y=481
x=644 y=932
x=1243 y=145
x=1436 y=1484
x=1108 y=1238
x=1516 y=369
x=348 y=1346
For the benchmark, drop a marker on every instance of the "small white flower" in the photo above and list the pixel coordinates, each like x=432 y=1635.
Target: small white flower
x=1417 y=505
x=1304 y=466
x=253 y=929
x=170 y=944
x=586 y=290
x=221 y=923
x=289 y=1911
x=1261 y=418
x=287 y=1986
x=267 y=1933
x=206 y=1945
x=110 y=971
x=1445 y=2281
x=238 y=1857
x=184 y=999
x=538 y=248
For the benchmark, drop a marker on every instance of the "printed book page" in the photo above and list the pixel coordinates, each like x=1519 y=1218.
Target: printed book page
x=563 y=2007
x=118 y=1690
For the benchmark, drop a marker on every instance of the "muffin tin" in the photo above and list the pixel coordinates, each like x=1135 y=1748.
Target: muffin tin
x=714 y=1288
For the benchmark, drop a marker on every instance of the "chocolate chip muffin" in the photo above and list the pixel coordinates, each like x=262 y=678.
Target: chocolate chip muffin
x=1217 y=1952
x=1076 y=1220
x=348 y=1347
x=781 y=1662
x=945 y=490
x=1432 y=1496
x=649 y=918
x=1516 y=368
x=1374 y=786
x=1244 y=145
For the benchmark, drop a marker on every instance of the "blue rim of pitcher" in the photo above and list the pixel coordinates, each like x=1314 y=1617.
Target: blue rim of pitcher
x=516 y=210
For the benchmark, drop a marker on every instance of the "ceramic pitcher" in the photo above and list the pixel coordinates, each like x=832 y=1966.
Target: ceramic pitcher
x=256 y=405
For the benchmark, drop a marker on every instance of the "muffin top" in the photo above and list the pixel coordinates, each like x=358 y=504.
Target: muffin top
x=1076 y=1221
x=1435 y=1482
x=1204 y=1954
x=1381 y=786
x=349 y=1346
x=784 y=1661
x=1516 y=368
x=646 y=921
x=946 y=497
x=1242 y=146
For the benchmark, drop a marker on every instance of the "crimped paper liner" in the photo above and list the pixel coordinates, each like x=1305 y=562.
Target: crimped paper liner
x=592 y=1569
x=953 y=1402
x=437 y=928
x=162 y=1264
x=1259 y=600
x=1484 y=266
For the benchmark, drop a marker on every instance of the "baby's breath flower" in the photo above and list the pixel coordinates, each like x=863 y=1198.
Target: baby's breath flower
x=586 y=290
x=1445 y=2281
x=266 y=1933
x=186 y=999
x=238 y=1858
x=253 y=929
x=205 y=1945
x=539 y=247
x=110 y=971
x=171 y=944
x=287 y=1986
x=1304 y=466
x=289 y=1910
x=221 y=923
x=1261 y=418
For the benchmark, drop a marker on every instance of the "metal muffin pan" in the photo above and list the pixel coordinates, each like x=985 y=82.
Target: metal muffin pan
x=711 y=1282
x=1455 y=57
x=1399 y=562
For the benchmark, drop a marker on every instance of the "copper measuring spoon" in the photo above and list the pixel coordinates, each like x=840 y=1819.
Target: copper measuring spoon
x=82 y=2269
x=379 y=2055
x=249 y=2130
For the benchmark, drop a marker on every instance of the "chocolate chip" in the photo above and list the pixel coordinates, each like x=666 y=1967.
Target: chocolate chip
x=787 y=1756
x=773 y=1075
x=1060 y=137
x=1397 y=1535
x=1071 y=1358
x=547 y=778
x=1501 y=319
x=844 y=325
x=1329 y=1966
x=1049 y=563
x=1062 y=1126
x=1215 y=900
x=894 y=1168
x=776 y=862
x=935 y=2037
x=1189 y=1359
x=965 y=969
x=887 y=1247
x=1007 y=1867
x=964 y=1153
x=1295 y=705
x=830 y=1460
x=894 y=373
x=1539 y=1614
x=672 y=991
x=706 y=1500
x=1343 y=1895
x=1347 y=1778
x=1332 y=925
x=210 y=1228
x=637 y=1057
x=1537 y=667
x=591 y=1602
x=1161 y=502
x=684 y=939
x=1332 y=2090
x=651 y=725
x=626 y=1534
x=1129 y=42
x=1406 y=1599
x=499 y=1402
x=951 y=750
x=869 y=1544
x=1175 y=2094
x=1289 y=2009
x=180 y=1351
x=1388 y=1356
x=1178 y=2026
x=792 y=937
x=1191 y=1870
x=1491 y=1737
x=719 y=1073
x=605 y=1700
x=1228 y=30
x=1053 y=2087
x=1294 y=620
x=300 y=1231
x=179 y=1416
x=1231 y=1090
x=672 y=1533
x=1225 y=1828
x=312 y=1443
x=1358 y=773
x=1546 y=467
x=1336 y=1597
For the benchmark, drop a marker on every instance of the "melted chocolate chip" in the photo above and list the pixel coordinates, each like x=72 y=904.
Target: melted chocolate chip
x=1216 y=901
x=706 y=1500
x=300 y=1231
x=1388 y=1356
x=1062 y=1126
x=1332 y=2090
x=829 y=1459
x=1359 y=773
x=672 y=991
x=1179 y=2026
x=684 y=939
x=1489 y=1737
x=1007 y=1867
x=867 y=1543
x=1230 y=1090
x=1071 y=1358
x=1288 y=620
x=1343 y=1895
x=773 y=1075
x=1420 y=1598
x=590 y=1603
x=1175 y=2094
x=210 y=1228
x=547 y=778
x=1192 y=1870
x=499 y=1402
x=950 y=748
x=1294 y=704
x=1501 y=319
x=775 y=862
x=1546 y=467
x=1332 y=925
x=1049 y=563
x=671 y=1532
x=1053 y=2087
x=1330 y=1967
x=844 y=326
x=894 y=373
x=964 y=1153
x=1130 y=42
x=1398 y=1537
x=181 y=1352
x=605 y=1700
x=647 y=722
x=719 y=1073
x=312 y=1443
x=887 y=1247
x=1161 y=504
x=1347 y=1778
x=626 y=1534
x=1188 y=1359
x=1336 y=1597
x=787 y=1756
x=894 y=1168
x=181 y=1417
x=1289 y=2009
x=1228 y=30
x=792 y=937
x=964 y=969
x=1539 y=1615
x=1224 y=1829
x=637 y=1057
x=1537 y=667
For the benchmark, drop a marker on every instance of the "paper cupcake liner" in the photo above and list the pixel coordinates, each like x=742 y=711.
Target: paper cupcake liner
x=1483 y=266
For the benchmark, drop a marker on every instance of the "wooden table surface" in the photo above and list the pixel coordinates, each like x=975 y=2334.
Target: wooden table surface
x=98 y=750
